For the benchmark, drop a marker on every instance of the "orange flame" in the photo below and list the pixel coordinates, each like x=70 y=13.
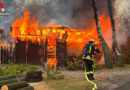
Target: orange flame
x=27 y=28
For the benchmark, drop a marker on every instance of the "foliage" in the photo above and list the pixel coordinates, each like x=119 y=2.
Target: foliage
x=80 y=65
x=10 y=62
x=98 y=66
x=16 y=69
x=75 y=64
x=54 y=74
x=69 y=84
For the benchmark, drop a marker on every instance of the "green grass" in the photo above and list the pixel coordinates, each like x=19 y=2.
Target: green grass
x=80 y=83
x=68 y=84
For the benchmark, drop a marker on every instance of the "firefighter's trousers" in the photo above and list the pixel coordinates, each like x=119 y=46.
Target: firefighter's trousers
x=89 y=68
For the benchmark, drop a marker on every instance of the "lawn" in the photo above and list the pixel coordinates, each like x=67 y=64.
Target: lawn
x=81 y=83
x=68 y=84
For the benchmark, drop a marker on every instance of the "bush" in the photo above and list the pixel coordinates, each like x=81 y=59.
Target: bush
x=10 y=62
x=98 y=66
x=75 y=64
x=54 y=74
x=16 y=69
x=80 y=65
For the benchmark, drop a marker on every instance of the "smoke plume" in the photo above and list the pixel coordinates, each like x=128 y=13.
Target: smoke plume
x=71 y=13
x=65 y=12
x=78 y=13
x=122 y=13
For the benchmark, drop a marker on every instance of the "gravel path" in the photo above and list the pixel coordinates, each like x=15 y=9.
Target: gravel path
x=106 y=80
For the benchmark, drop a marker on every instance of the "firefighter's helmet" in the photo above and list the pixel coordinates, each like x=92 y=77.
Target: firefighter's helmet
x=91 y=41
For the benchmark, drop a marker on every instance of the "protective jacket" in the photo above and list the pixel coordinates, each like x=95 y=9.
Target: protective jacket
x=88 y=51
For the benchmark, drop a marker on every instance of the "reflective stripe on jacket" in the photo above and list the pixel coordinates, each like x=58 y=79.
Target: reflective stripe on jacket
x=88 y=57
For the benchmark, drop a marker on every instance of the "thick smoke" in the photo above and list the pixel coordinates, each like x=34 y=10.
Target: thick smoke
x=122 y=13
x=71 y=13
x=5 y=20
x=66 y=12
x=78 y=13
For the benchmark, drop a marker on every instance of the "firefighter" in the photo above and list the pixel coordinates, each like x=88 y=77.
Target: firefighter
x=88 y=57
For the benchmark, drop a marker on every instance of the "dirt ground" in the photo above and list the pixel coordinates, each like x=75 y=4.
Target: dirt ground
x=105 y=79
x=41 y=86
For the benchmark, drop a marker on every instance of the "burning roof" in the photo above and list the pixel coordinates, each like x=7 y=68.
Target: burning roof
x=27 y=28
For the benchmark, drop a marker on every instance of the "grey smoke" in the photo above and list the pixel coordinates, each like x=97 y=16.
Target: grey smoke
x=6 y=21
x=68 y=13
x=65 y=12
x=122 y=14
x=78 y=13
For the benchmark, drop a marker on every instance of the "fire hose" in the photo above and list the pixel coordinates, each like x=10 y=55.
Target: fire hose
x=95 y=85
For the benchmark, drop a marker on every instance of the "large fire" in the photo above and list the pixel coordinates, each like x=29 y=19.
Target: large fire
x=27 y=28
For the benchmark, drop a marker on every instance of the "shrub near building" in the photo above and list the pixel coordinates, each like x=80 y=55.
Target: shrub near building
x=16 y=69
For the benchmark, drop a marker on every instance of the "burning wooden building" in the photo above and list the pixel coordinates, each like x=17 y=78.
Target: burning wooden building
x=50 y=43
x=38 y=47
